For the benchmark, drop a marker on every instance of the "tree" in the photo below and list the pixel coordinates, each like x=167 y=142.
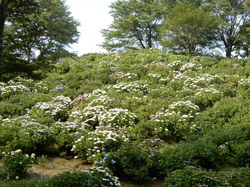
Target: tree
x=232 y=16
x=10 y=9
x=2 y=21
x=242 y=47
x=135 y=25
x=44 y=32
x=188 y=28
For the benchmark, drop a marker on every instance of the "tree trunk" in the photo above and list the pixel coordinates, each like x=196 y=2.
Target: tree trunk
x=229 y=52
x=2 y=21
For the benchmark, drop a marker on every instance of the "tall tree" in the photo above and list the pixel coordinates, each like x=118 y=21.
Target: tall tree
x=10 y=9
x=135 y=25
x=44 y=31
x=2 y=21
x=232 y=16
x=242 y=47
x=188 y=28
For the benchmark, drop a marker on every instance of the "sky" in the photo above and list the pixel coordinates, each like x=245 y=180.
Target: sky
x=93 y=16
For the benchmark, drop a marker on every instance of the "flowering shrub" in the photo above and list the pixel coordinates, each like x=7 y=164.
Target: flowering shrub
x=16 y=164
x=132 y=102
x=191 y=176
x=121 y=76
x=100 y=115
x=11 y=88
x=97 y=176
x=130 y=87
x=100 y=100
x=202 y=81
x=140 y=95
x=175 y=121
x=191 y=66
x=20 y=85
x=152 y=146
x=239 y=177
x=181 y=110
x=117 y=117
x=184 y=107
x=244 y=83
x=34 y=137
x=206 y=97
x=94 y=145
x=129 y=161
x=57 y=109
x=66 y=133
x=26 y=134
x=175 y=65
x=88 y=115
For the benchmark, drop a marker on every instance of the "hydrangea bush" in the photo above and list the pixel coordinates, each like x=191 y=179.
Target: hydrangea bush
x=16 y=164
x=96 y=103
x=94 y=145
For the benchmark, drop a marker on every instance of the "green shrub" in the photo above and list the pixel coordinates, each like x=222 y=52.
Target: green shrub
x=93 y=145
x=240 y=155
x=26 y=134
x=129 y=161
x=99 y=177
x=16 y=164
x=34 y=137
x=22 y=183
x=7 y=134
x=66 y=133
x=192 y=177
x=222 y=113
x=239 y=177
x=17 y=105
x=10 y=109
x=200 y=153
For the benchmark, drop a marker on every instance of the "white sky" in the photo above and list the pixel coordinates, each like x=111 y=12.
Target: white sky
x=93 y=16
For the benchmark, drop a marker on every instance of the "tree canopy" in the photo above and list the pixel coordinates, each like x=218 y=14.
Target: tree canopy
x=188 y=28
x=179 y=25
x=135 y=25
x=37 y=32
x=233 y=17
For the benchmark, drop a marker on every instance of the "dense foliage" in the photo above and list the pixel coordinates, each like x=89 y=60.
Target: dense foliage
x=141 y=113
x=210 y=26
x=33 y=33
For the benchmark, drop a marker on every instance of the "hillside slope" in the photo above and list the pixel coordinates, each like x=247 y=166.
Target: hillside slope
x=141 y=113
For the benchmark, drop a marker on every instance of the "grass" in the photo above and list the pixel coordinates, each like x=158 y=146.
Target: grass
x=47 y=167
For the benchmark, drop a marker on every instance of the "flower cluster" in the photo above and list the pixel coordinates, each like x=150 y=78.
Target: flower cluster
x=57 y=108
x=16 y=164
x=105 y=175
x=202 y=81
x=120 y=75
x=9 y=89
x=184 y=107
x=154 y=75
x=181 y=111
x=95 y=144
x=130 y=87
x=117 y=117
x=89 y=114
x=73 y=128
x=152 y=146
x=244 y=83
x=176 y=65
x=36 y=132
x=101 y=100
x=191 y=66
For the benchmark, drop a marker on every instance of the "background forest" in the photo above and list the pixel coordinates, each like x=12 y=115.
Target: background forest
x=36 y=33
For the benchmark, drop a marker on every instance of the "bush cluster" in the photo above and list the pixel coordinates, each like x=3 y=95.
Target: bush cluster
x=141 y=113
